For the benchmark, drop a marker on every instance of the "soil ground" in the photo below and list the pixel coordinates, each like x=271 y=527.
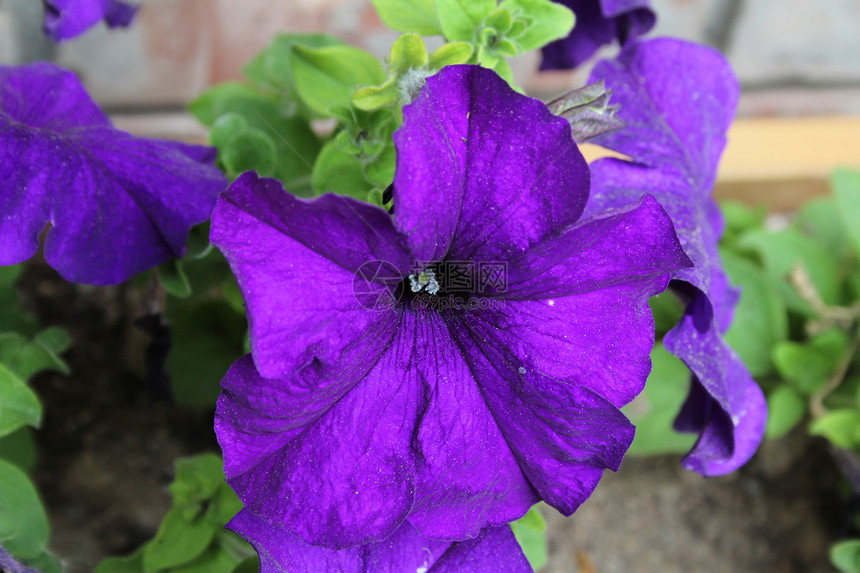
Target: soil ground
x=107 y=452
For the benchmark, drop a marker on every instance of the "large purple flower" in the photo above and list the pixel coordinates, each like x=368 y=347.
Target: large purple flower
x=494 y=550
x=452 y=365
x=65 y=19
x=117 y=204
x=678 y=100
x=598 y=22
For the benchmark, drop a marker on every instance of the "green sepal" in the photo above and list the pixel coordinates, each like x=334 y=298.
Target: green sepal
x=549 y=21
x=409 y=16
x=588 y=111
x=407 y=52
x=330 y=75
x=450 y=54
x=460 y=19
x=374 y=97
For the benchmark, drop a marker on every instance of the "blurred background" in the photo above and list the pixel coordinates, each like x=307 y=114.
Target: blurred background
x=799 y=65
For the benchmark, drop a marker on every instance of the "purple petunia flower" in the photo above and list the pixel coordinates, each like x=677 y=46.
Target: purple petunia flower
x=65 y=19
x=117 y=204
x=9 y=565
x=678 y=100
x=456 y=363
x=598 y=22
x=493 y=550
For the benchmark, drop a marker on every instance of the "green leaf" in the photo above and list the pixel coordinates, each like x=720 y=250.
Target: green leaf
x=846 y=188
x=409 y=16
x=460 y=19
x=807 y=366
x=407 y=52
x=214 y=560
x=740 y=218
x=550 y=21
x=178 y=541
x=172 y=277
x=242 y=147
x=19 y=406
x=19 y=448
x=130 y=564
x=838 y=426
x=328 y=76
x=450 y=54
x=337 y=172
x=819 y=218
x=780 y=251
x=296 y=145
x=26 y=358
x=654 y=410
x=249 y=565
x=380 y=171
x=373 y=97
x=760 y=318
x=667 y=309
x=845 y=555
x=207 y=338
x=197 y=481
x=23 y=522
x=529 y=531
x=786 y=407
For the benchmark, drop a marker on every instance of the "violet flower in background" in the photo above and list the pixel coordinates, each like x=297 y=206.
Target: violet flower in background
x=381 y=389
x=65 y=19
x=117 y=204
x=678 y=99
x=598 y=22
x=9 y=565
x=493 y=550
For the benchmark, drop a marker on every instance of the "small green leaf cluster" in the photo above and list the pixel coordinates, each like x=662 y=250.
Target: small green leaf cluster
x=278 y=121
x=24 y=351
x=191 y=537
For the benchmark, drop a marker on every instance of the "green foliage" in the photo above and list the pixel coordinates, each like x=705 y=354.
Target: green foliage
x=760 y=319
x=409 y=16
x=459 y=19
x=786 y=408
x=23 y=522
x=191 y=538
x=846 y=188
x=19 y=406
x=545 y=22
x=328 y=76
x=807 y=366
x=654 y=410
x=530 y=531
x=841 y=427
x=19 y=448
x=845 y=556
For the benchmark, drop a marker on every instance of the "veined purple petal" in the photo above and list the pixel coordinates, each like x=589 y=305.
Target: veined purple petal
x=598 y=22
x=679 y=100
x=118 y=204
x=476 y=181
x=451 y=417
x=493 y=550
x=297 y=263
x=66 y=19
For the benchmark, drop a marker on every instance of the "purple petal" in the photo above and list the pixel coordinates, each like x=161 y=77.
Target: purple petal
x=118 y=205
x=341 y=473
x=483 y=172
x=470 y=477
x=65 y=19
x=493 y=550
x=598 y=22
x=297 y=262
x=678 y=100
x=9 y=565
